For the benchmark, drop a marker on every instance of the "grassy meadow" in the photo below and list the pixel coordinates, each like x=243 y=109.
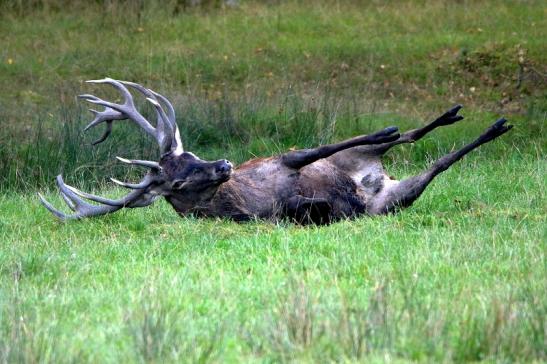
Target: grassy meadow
x=458 y=277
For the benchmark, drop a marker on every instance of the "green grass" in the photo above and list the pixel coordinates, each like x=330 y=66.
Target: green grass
x=458 y=277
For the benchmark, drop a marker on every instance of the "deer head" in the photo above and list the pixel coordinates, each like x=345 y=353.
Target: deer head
x=188 y=173
x=178 y=174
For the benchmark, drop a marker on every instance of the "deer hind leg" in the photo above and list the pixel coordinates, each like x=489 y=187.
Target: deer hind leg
x=404 y=193
x=448 y=118
x=300 y=158
x=358 y=161
x=364 y=164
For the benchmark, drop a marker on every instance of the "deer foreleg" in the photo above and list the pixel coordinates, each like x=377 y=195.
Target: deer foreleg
x=404 y=193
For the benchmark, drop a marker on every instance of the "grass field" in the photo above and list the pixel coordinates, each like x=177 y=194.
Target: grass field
x=460 y=276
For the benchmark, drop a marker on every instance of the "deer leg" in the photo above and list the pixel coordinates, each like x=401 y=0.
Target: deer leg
x=403 y=194
x=300 y=158
x=448 y=118
x=356 y=160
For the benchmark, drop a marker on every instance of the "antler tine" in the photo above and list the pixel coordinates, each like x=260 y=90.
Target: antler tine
x=128 y=98
x=177 y=148
x=106 y=133
x=169 y=130
x=153 y=95
x=52 y=209
x=134 y=186
x=164 y=131
x=79 y=206
x=148 y=164
x=71 y=195
x=163 y=123
x=68 y=201
x=95 y=198
x=68 y=192
x=170 y=108
x=107 y=114
x=127 y=108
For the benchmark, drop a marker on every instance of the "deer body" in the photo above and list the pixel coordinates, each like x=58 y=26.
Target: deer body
x=253 y=189
x=266 y=189
x=318 y=185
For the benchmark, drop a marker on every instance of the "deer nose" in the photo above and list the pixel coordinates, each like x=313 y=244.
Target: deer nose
x=223 y=166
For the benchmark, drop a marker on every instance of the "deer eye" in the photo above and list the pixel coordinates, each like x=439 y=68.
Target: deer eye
x=196 y=171
x=178 y=185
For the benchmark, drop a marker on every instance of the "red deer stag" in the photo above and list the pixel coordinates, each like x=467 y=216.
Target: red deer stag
x=318 y=185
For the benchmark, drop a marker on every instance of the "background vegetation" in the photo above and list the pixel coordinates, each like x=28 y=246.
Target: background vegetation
x=257 y=78
x=460 y=276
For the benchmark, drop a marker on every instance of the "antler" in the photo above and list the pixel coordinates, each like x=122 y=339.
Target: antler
x=166 y=131
x=145 y=192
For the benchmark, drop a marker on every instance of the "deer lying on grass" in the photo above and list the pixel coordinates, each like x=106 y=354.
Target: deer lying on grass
x=318 y=185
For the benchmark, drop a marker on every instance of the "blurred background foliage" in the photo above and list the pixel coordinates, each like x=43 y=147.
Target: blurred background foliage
x=254 y=78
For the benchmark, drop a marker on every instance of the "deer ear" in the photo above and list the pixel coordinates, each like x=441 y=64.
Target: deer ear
x=178 y=184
